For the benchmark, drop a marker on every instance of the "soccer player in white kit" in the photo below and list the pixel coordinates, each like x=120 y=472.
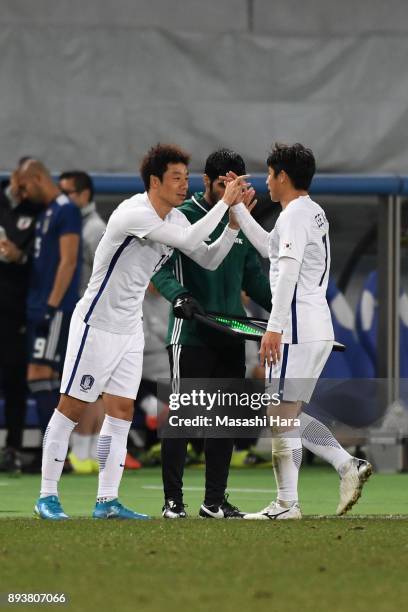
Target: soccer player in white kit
x=105 y=346
x=299 y=336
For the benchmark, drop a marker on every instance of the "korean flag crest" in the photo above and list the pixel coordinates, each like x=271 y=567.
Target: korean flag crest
x=86 y=382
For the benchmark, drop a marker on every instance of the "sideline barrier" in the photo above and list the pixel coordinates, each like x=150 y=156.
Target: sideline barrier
x=338 y=184
x=347 y=184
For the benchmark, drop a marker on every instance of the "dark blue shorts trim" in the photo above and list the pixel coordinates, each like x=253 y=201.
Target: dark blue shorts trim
x=77 y=360
x=294 y=319
x=283 y=370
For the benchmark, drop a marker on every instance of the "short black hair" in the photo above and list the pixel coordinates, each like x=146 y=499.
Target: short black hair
x=296 y=160
x=222 y=161
x=81 y=179
x=156 y=160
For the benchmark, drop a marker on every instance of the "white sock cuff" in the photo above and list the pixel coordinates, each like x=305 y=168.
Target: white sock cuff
x=61 y=420
x=112 y=425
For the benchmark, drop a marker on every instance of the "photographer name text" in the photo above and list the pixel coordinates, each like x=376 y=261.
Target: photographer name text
x=226 y=421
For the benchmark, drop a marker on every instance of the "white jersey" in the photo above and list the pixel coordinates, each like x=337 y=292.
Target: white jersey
x=124 y=263
x=302 y=233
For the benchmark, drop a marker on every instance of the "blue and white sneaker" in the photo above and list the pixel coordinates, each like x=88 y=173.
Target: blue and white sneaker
x=49 y=508
x=114 y=510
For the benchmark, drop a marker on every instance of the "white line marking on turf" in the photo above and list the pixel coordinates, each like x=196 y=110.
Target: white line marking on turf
x=350 y=517
x=159 y=488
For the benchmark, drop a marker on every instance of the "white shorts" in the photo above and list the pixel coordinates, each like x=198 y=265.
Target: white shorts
x=99 y=361
x=296 y=374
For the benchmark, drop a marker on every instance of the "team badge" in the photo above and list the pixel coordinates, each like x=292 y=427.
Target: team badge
x=24 y=223
x=86 y=382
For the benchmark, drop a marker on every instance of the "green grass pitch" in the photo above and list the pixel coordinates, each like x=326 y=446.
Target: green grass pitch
x=328 y=564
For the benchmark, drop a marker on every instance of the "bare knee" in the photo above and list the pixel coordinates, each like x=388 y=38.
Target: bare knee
x=71 y=407
x=118 y=407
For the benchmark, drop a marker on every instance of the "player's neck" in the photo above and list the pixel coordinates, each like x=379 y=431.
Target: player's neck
x=51 y=194
x=208 y=199
x=291 y=195
x=161 y=207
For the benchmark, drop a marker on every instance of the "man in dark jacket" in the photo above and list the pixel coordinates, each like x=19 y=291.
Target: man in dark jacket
x=54 y=284
x=17 y=226
x=196 y=351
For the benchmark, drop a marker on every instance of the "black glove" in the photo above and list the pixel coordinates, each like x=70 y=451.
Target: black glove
x=43 y=326
x=186 y=306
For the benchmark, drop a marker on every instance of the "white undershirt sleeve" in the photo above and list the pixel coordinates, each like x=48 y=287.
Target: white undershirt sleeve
x=191 y=236
x=283 y=295
x=210 y=256
x=252 y=230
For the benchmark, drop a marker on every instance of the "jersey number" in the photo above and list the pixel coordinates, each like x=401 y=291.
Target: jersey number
x=39 y=348
x=161 y=262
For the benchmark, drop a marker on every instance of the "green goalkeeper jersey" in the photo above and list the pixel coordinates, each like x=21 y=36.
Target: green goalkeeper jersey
x=218 y=290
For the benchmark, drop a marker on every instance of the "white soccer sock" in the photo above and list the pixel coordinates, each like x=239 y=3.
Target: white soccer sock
x=80 y=445
x=286 y=459
x=317 y=438
x=55 y=447
x=93 y=447
x=111 y=455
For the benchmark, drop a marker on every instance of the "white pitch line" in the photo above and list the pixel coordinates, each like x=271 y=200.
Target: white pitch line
x=159 y=488
x=350 y=517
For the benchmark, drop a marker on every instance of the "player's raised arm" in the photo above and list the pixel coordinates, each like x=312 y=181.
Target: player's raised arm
x=258 y=237
x=190 y=237
x=210 y=256
x=255 y=233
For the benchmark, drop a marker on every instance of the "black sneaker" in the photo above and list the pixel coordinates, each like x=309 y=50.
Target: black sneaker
x=173 y=510
x=225 y=510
